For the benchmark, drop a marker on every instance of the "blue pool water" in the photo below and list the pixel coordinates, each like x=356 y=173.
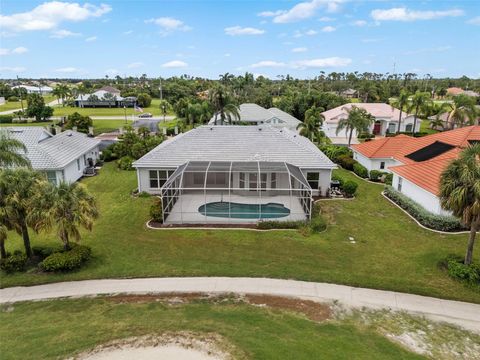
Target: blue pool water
x=244 y=211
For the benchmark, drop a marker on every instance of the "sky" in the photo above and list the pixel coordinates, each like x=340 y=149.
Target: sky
x=56 y=39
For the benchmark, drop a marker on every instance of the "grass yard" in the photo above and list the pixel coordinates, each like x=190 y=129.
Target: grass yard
x=425 y=127
x=62 y=328
x=391 y=252
x=99 y=126
x=154 y=109
x=12 y=105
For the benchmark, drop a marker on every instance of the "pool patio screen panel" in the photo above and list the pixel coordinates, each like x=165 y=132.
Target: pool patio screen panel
x=236 y=192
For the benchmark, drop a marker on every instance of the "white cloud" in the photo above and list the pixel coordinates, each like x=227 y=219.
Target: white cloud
x=60 y=34
x=14 y=69
x=371 y=40
x=326 y=19
x=305 y=10
x=67 y=70
x=135 y=65
x=268 y=63
x=270 y=13
x=404 y=14
x=17 y=50
x=227 y=54
x=128 y=32
x=359 y=23
x=322 y=62
x=91 y=38
x=175 y=64
x=328 y=29
x=169 y=24
x=311 y=32
x=474 y=21
x=238 y=30
x=49 y=15
x=299 y=49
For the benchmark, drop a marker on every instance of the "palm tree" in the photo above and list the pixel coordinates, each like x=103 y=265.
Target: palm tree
x=10 y=151
x=358 y=119
x=460 y=192
x=223 y=105
x=66 y=207
x=461 y=111
x=3 y=237
x=310 y=128
x=400 y=103
x=18 y=187
x=419 y=103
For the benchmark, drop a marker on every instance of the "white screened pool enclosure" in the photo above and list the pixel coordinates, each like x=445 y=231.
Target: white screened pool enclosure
x=226 y=192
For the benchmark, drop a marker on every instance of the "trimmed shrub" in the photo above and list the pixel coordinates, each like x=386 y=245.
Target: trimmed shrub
x=360 y=170
x=44 y=252
x=67 y=260
x=156 y=211
x=346 y=161
x=338 y=178
x=334 y=151
x=125 y=163
x=13 y=99
x=14 y=263
x=318 y=223
x=467 y=273
x=365 y=135
x=424 y=217
x=375 y=175
x=389 y=179
x=350 y=188
x=272 y=224
x=6 y=119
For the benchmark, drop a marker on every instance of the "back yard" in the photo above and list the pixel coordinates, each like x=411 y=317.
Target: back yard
x=391 y=252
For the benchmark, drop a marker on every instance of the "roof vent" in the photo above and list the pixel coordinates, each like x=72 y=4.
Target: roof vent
x=211 y=128
x=69 y=133
x=259 y=129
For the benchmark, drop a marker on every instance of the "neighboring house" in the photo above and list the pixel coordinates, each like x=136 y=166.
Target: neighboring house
x=253 y=114
x=63 y=157
x=471 y=93
x=40 y=89
x=417 y=163
x=349 y=93
x=105 y=97
x=242 y=174
x=453 y=91
x=386 y=121
x=447 y=124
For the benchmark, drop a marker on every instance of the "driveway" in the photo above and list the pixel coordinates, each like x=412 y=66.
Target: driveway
x=462 y=314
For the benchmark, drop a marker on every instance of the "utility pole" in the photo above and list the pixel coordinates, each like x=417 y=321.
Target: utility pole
x=160 y=89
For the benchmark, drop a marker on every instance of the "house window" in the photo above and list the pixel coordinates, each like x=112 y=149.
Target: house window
x=242 y=180
x=399 y=186
x=382 y=165
x=313 y=180
x=52 y=177
x=408 y=128
x=159 y=177
x=78 y=164
x=253 y=181
x=263 y=181
x=273 y=180
x=198 y=178
x=154 y=179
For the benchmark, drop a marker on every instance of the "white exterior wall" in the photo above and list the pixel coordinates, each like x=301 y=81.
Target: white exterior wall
x=423 y=197
x=374 y=164
x=70 y=173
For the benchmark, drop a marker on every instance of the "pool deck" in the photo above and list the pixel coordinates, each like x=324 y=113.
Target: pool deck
x=185 y=210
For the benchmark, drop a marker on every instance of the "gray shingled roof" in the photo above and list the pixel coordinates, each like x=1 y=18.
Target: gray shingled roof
x=236 y=143
x=50 y=152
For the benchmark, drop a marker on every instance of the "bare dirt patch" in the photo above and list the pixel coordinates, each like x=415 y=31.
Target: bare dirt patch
x=311 y=309
x=170 y=298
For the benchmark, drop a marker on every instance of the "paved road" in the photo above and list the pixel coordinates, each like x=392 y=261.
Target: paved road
x=458 y=313
x=151 y=124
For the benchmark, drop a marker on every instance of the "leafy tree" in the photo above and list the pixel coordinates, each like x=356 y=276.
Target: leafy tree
x=310 y=128
x=400 y=103
x=81 y=122
x=461 y=111
x=36 y=107
x=66 y=207
x=18 y=187
x=165 y=107
x=358 y=119
x=460 y=192
x=62 y=91
x=10 y=151
x=419 y=103
x=224 y=106
x=144 y=100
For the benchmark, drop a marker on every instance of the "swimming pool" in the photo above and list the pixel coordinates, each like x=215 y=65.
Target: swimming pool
x=244 y=211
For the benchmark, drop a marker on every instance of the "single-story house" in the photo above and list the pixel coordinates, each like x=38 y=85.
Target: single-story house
x=253 y=114
x=349 y=93
x=66 y=156
x=448 y=124
x=40 y=89
x=105 y=97
x=235 y=174
x=454 y=91
x=386 y=121
x=417 y=163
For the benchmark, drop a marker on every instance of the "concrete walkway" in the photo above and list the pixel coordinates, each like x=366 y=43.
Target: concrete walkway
x=455 y=312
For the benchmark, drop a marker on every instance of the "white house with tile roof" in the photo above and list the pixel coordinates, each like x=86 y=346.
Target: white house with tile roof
x=254 y=114
x=386 y=120
x=63 y=157
x=247 y=166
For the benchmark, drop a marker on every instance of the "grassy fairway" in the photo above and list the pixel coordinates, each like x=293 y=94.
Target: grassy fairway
x=57 y=329
x=99 y=126
x=391 y=252
x=154 y=109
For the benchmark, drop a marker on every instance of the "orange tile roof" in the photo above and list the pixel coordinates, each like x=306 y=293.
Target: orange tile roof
x=425 y=174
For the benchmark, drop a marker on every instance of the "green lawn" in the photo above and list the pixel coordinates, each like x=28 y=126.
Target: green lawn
x=99 y=126
x=425 y=127
x=62 y=328
x=12 y=105
x=154 y=109
x=391 y=252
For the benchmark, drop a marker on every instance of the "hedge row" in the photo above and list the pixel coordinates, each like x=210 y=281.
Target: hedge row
x=6 y=119
x=67 y=260
x=424 y=217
